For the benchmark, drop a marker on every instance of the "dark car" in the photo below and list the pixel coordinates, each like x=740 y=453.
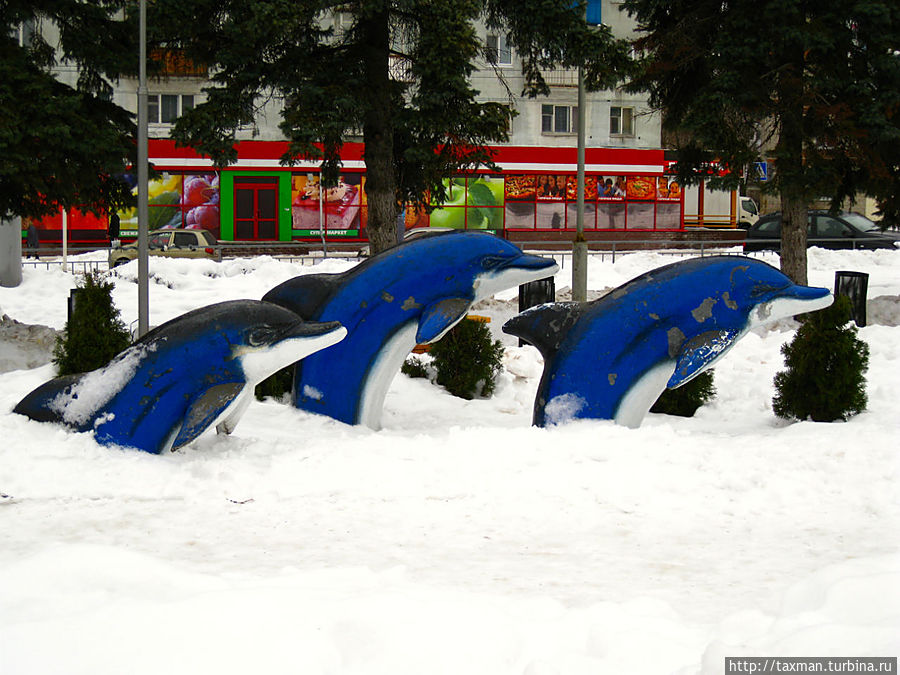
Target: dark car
x=841 y=230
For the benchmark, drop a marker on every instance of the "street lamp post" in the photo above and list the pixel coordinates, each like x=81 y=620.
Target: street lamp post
x=579 y=246
x=143 y=197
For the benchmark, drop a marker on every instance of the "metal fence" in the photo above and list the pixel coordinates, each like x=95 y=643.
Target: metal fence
x=610 y=250
x=74 y=266
x=310 y=259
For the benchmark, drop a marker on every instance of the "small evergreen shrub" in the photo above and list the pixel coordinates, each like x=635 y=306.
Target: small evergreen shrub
x=467 y=361
x=277 y=385
x=686 y=399
x=414 y=367
x=825 y=365
x=94 y=333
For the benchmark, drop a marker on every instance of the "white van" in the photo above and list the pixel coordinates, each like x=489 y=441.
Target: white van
x=748 y=212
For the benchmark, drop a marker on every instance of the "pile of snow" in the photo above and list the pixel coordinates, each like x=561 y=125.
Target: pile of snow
x=24 y=345
x=458 y=539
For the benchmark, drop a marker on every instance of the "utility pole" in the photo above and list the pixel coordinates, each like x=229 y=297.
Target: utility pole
x=579 y=246
x=143 y=196
x=65 y=238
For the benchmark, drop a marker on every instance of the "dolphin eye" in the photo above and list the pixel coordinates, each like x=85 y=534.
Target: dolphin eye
x=260 y=336
x=491 y=262
x=763 y=290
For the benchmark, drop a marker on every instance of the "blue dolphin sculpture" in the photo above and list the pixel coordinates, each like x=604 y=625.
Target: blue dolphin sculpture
x=193 y=372
x=411 y=294
x=613 y=357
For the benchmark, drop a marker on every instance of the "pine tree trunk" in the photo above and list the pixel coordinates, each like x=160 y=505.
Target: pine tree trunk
x=793 y=238
x=378 y=134
x=791 y=171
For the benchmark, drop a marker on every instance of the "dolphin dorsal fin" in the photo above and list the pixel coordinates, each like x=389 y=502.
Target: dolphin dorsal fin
x=306 y=294
x=439 y=317
x=545 y=326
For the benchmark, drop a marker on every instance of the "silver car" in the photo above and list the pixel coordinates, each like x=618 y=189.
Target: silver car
x=170 y=243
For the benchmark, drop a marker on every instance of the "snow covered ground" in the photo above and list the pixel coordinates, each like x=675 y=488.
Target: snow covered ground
x=458 y=539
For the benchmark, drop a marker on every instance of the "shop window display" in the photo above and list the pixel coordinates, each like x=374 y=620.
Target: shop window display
x=611 y=202
x=472 y=203
x=342 y=206
x=177 y=200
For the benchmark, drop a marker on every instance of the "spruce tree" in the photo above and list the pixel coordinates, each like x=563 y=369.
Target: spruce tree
x=94 y=333
x=684 y=401
x=467 y=360
x=825 y=365
x=278 y=385
x=397 y=71
x=814 y=86
x=64 y=144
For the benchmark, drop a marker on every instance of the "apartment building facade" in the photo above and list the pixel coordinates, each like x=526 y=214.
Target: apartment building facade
x=258 y=199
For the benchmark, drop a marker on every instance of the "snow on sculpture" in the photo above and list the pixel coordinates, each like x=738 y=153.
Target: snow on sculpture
x=412 y=293
x=613 y=357
x=193 y=372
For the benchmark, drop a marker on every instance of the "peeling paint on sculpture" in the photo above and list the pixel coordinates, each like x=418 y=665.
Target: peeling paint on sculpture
x=615 y=356
x=193 y=372
x=412 y=293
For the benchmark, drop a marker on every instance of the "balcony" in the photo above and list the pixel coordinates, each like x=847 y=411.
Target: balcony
x=561 y=77
x=174 y=63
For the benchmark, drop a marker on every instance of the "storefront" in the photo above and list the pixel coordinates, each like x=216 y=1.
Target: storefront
x=257 y=199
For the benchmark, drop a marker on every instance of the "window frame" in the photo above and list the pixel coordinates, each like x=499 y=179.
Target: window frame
x=25 y=32
x=159 y=240
x=500 y=50
x=617 y=113
x=553 y=116
x=184 y=240
x=845 y=231
x=155 y=107
x=343 y=23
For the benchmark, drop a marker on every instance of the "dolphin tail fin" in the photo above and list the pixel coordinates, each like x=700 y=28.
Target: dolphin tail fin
x=545 y=326
x=305 y=295
x=38 y=404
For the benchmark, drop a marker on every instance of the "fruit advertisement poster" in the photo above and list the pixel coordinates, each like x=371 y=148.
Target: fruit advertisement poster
x=177 y=200
x=474 y=203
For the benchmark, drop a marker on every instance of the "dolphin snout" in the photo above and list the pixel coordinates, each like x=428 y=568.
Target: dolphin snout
x=533 y=262
x=806 y=293
x=791 y=301
x=311 y=328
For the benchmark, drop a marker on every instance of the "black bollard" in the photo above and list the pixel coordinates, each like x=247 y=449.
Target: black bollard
x=853 y=285
x=536 y=293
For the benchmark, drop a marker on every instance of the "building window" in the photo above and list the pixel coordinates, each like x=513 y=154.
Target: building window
x=24 y=33
x=559 y=119
x=166 y=108
x=621 y=121
x=498 y=51
x=343 y=23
